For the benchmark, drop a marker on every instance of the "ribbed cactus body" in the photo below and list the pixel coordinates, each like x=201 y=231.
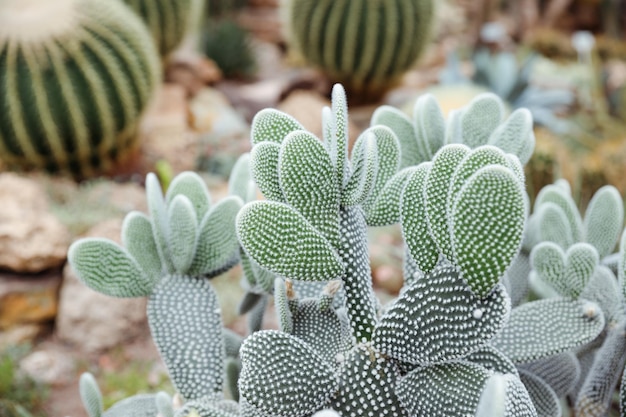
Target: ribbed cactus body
x=168 y=20
x=364 y=44
x=75 y=76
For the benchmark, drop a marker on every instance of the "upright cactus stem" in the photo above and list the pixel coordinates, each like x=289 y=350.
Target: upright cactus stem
x=364 y=44
x=75 y=77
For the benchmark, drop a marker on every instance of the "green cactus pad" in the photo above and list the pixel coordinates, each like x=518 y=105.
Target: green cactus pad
x=209 y=407
x=487 y=225
x=543 y=397
x=140 y=405
x=338 y=144
x=307 y=178
x=164 y=404
x=158 y=213
x=270 y=125
x=449 y=389
x=491 y=358
x=553 y=225
x=436 y=190
x=604 y=290
x=558 y=195
x=90 y=395
x=283 y=376
x=186 y=325
x=561 y=372
x=438 y=319
x=482 y=116
x=365 y=162
x=544 y=328
x=377 y=396
x=264 y=167
x=138 y=239
x=515 y=135
x=385 y=209
x=240 y=179
x=108 y=268
x=183 y=225
x=505 y=396
x=422 y=247
x=604 y=220
x=193 y=187
x=430 y=126
x=410 y=151
x=217 y=243
x=281 y=303
x=75 y=78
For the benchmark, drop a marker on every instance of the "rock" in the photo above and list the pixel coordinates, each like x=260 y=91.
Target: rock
x=21 y=334
x=50 y=366
x=307 y=107
x=28 y=299
x=166 y=134
x=31 y=238
x=92 y=321
x=191 y=70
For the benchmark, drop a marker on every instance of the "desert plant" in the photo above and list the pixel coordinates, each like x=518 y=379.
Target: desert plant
x=229 y=45
x=364 y=45
x=75 y=77
x=168 y=20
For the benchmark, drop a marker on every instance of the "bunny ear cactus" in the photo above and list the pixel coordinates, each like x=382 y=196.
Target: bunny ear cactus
x=168 y=258
x=75 y=77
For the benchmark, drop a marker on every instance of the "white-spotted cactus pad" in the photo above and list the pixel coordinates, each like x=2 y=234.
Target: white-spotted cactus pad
x=185 y=321
x=264 y=166
x=307 y=179
x=281 y=303
x=338 y=143
x=516 y=135
x=108 y=268
x=138 y=239
x=446 y=390
x=324 y=331
x=183 y=225
x=543 y=397
x=281 y=240
x=282 y=375
x=604 y=220
x=240 y=180
x=491 y=358
x=438 y=319
x=164 y=404
x=209 y=407
x=622 y=396
x=191 y=186
x=505 y=396
x=567 y=272
x=544 y=328
x=366 y=385
x=558 y=195
x=436 y=190
x=481 y=117
x=561 y=372
x=385 y=208
x=421 y=245
x=90 y=395
x=365 y=163
x=487 y=224
x=157 y=209
x=270 y=125
x=141 y=405
x=596 y=393
x=553 y=225
x=411 y=152
x=430 y=126
x=603 y=289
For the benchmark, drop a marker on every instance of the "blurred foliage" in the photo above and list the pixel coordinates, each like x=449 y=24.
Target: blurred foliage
x=218 y=8
x=229 y=46
x=20 y=396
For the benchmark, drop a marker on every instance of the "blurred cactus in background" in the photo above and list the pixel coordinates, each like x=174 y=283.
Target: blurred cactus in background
x=75 y=77
x=366 y=45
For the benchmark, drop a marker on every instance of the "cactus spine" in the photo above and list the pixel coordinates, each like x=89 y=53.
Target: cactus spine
x=75 y=76
x=363 y=44
x=167 y=20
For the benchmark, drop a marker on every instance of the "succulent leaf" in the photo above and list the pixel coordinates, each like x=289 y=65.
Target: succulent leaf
x=581 y=260
x=264 y=166
x=505 y=395
x=420 y=244
x=410 y=151
x=482 y=117
x=436 y=189
x=377 y=396
x=158 y=213
x=429 y=125
x=548 y=261
x=339 y=144
x=138 y=239
x=307 y=178
x=193 y=187
x=543 y=397
x=217 y=243
x=492 y=359
x=281 y=302
x=604 y=290
x=90 y=395
x=365 y=170
x=270 y=125
x=282 y=375
x=141 y=405
x=444 y=390
x=240 y=177
x=558 y=195
x=183 y=225
x=561 y=372
x=164 y=404
x=281 y=240
x=553 y=225
x=209 y=407
x=548 y=327
x=604 y=220
x=438 y=319
x=186 y=325
x=515 y=135
x=108 y=268
x=385 y=208
x=487 y=226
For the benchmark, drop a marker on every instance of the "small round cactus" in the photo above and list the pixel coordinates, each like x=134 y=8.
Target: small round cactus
x=364 y=44
x=168 y=20
x=75 y=76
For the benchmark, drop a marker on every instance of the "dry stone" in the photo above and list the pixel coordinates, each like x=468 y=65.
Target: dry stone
x=31 y=238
